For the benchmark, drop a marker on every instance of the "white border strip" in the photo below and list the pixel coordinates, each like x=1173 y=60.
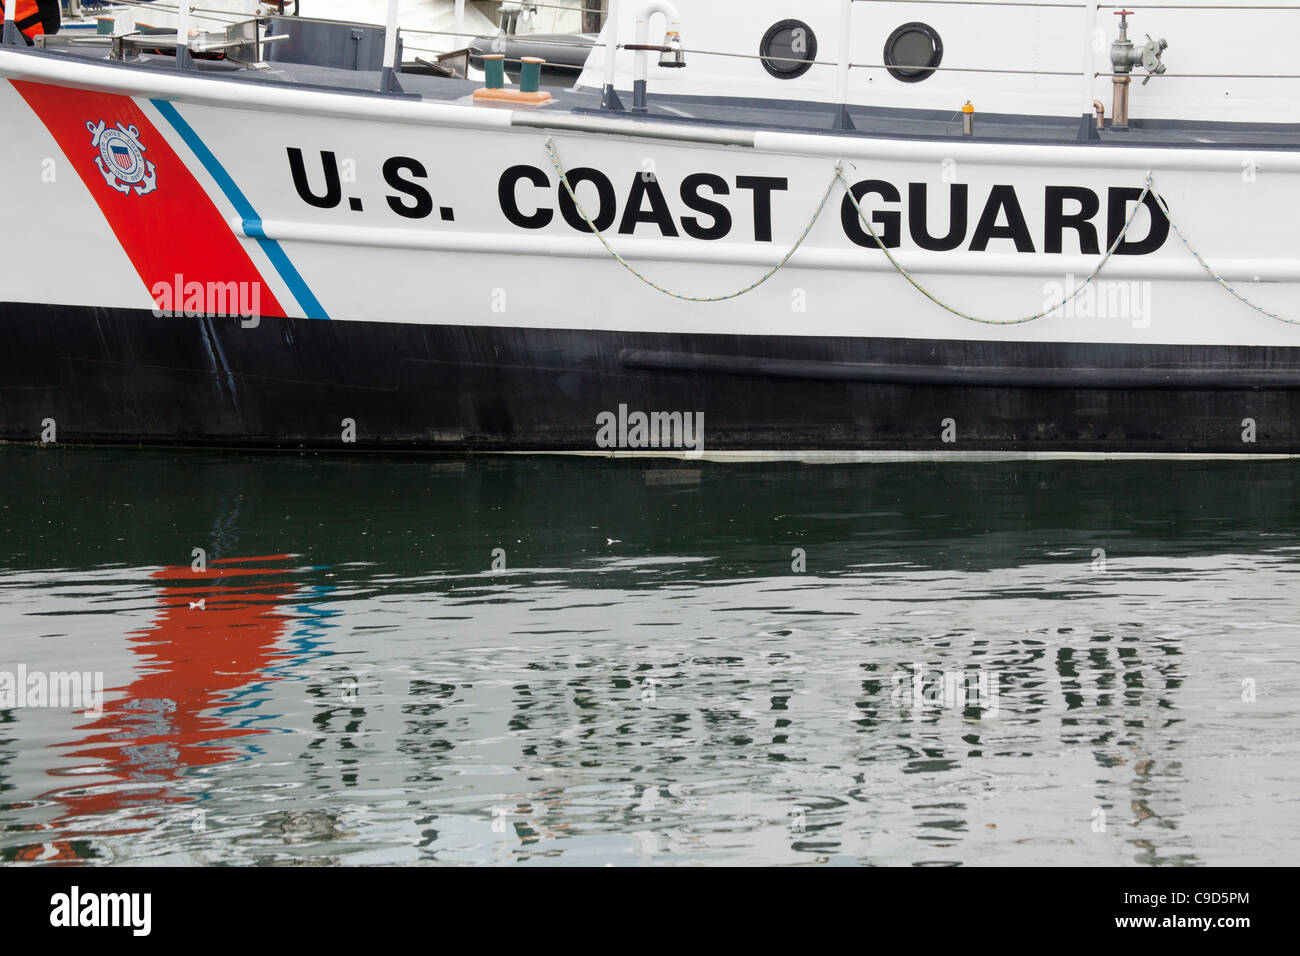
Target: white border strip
x=58 y=70
x=1082 y=156
x=214 y=91
x=761 y=255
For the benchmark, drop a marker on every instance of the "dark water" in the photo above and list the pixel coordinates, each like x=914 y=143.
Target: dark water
x=648 y=680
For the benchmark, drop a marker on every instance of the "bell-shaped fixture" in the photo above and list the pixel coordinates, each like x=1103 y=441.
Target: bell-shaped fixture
x=672 y=57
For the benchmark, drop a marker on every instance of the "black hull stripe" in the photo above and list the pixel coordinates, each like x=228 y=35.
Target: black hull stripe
x=111 y=375
x=1216 y=379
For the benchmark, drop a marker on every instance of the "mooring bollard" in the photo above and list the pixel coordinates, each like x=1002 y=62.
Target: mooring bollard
x=494 y=65
x=529 y=92
x=530 y=77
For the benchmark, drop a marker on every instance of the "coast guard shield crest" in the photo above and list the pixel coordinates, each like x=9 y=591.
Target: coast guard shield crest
x=121 y=158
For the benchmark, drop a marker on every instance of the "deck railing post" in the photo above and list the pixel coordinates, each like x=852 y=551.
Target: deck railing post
x=10 y=36
x=1088 y=125
x=641 y=60
x=183 y=59
x=842 y=118
x=388 y=78
x=609 y=97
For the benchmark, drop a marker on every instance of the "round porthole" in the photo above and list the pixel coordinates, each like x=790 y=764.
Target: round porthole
x=791 y=46
x=912 y=52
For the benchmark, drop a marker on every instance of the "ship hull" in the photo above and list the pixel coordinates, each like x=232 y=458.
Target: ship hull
x=114 y=375
x=216 y=262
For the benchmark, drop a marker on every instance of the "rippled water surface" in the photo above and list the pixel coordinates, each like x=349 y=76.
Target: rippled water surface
x=671 y=663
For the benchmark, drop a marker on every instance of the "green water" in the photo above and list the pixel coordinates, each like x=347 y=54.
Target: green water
x=552 y=660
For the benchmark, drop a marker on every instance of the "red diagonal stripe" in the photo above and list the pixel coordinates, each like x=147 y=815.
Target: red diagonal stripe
x=174 y=230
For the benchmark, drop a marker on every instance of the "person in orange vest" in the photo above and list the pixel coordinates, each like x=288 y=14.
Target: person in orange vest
x=34 y=18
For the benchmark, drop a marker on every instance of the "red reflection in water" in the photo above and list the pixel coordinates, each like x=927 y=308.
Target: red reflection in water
x=194 y=657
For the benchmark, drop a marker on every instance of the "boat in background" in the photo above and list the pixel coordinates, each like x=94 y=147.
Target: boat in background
x=564 y=39
x=817 y=229
x=93 y=16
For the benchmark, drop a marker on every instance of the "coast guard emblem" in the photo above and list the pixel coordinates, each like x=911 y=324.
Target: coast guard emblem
x=121 y=158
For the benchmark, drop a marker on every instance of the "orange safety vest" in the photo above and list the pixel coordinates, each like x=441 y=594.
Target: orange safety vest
x=34 y=17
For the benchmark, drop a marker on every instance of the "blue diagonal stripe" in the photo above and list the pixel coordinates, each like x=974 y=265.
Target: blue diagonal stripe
x=252 y=221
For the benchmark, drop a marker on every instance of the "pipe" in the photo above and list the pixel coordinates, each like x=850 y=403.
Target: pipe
x=183 y=59
x=1119 y=119
x=641 y=70
x=842 y=120
x=1137 y=160
x=579 y=246
x=634 y=128
x=1100 y=109
x=10 y=35
x=388 y=81
x=609 y=99
x=846 y=49
x=1089 y=56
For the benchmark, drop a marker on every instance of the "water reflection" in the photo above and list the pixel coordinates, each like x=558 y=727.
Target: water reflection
x=931 y=664
x=210 y=648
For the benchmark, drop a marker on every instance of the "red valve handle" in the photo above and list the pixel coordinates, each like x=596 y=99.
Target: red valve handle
x=1123 y=13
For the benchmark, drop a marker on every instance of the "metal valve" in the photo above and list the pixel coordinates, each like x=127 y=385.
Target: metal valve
x=1151 y=54
x=1125 y=55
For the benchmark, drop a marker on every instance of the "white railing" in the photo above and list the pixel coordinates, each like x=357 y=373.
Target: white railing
x=843 y=64
x=8 y=34
x=183 y=35
x=391 y=66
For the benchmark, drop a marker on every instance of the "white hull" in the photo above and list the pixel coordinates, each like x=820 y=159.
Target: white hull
x=1243 y=226
x=452 y=216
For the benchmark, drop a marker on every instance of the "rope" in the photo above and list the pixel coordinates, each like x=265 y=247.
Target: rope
x=1147 y=189
x=559 y=168
x=1214 y=275
x=957 y=312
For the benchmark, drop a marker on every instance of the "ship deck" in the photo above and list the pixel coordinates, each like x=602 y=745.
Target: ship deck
x=752 y=114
